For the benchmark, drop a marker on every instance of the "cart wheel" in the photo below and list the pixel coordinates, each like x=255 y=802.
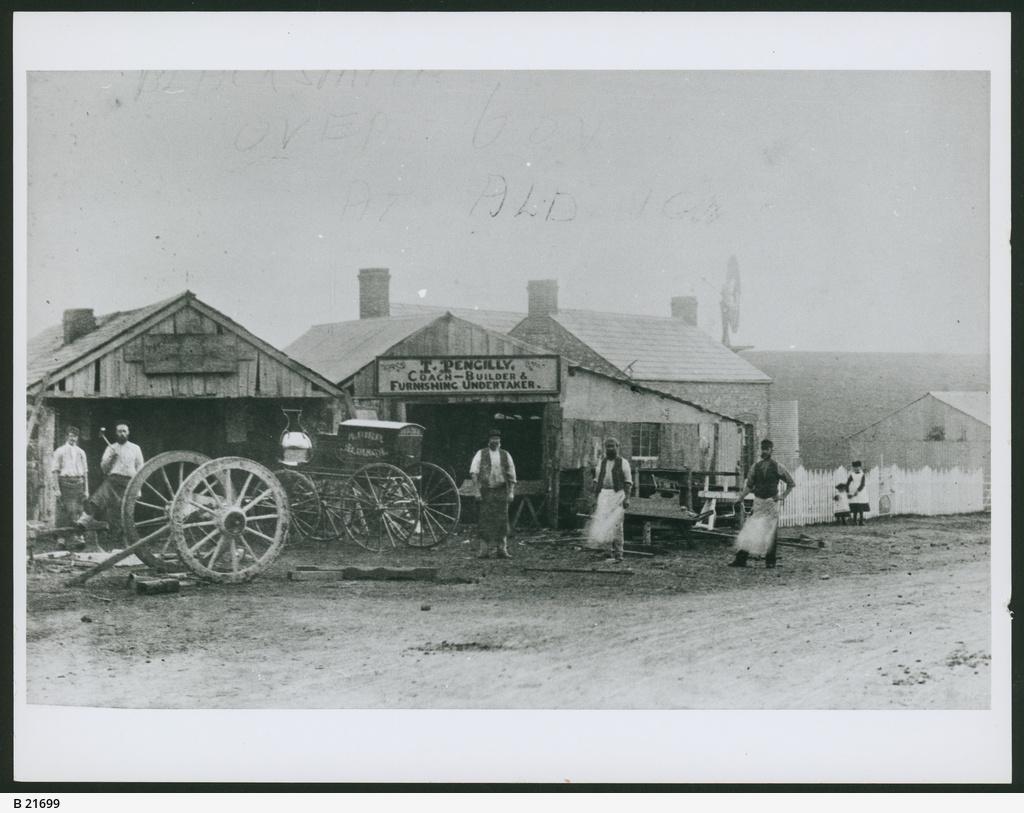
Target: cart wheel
x=304 y=502
x=440 y=506
x=332 y=526
x=379 y=506
x=230 y=519
x=146 y=506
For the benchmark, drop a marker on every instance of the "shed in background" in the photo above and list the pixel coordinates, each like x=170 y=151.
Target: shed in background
x=939 y=429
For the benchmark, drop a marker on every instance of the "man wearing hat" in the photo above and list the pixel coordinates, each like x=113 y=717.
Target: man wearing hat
x=759 y=534
x=494 y=474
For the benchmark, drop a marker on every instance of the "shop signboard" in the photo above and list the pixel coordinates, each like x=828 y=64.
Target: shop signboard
x=468 y=375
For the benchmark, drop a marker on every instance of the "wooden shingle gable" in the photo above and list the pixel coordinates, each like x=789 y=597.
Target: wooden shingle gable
x=184 y=348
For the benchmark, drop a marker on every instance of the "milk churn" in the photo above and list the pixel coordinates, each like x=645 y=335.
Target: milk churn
x=296 y=445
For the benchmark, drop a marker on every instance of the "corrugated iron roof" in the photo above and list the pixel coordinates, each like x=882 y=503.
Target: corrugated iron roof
x=46 y=351
x=341 y=349
x=656 y=348
x=976 y=404
x=499 y=321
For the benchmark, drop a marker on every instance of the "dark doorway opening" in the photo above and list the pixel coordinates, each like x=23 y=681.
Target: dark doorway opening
x=454 y=432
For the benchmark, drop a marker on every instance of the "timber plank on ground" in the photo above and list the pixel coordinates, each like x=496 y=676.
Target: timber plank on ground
x=372 y=573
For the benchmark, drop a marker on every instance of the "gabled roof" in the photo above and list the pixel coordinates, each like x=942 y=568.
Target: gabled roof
x=656 y=348
x=974 y=404
x=341 y=349
x=498 y=321
x=48 y=355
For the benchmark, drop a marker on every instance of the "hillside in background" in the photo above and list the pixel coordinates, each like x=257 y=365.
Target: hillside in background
x=840 y=393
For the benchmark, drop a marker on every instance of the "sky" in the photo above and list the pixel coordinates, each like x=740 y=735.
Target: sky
x=855 y=202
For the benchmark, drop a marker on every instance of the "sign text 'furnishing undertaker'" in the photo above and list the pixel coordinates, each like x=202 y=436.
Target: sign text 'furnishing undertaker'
x=468 y=375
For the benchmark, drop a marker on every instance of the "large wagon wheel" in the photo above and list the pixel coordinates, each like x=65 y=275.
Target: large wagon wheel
x=230 y=519
x=146 y=506
x=440 y=506
x=380 y=506
x=304 y=502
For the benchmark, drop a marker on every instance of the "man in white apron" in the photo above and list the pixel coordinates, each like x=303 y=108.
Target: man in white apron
x=759 y=534
x=611 y=488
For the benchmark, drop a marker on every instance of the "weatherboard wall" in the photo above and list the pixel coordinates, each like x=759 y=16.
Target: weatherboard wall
x=927 y=432
x=121 y=372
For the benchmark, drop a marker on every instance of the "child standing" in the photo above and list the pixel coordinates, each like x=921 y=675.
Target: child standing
x=857 y=493
x=842 y=504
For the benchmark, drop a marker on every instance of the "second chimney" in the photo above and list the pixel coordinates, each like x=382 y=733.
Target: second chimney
x=543 y=296
x=685 y=308
x=78 y=322
x=374 y=293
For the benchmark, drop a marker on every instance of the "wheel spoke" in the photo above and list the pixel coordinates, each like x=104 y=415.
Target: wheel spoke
x=246 y=545
x=193 y=548
x=206 y=523
x=431 y=522
x=262 y=535
x=153 y=535
x=244 y=489
x=216 y=551
x=171 y=489
x=432 y=510
x=229 y=487
x=400 y=517
x=201 y=507
x=256 y=501
x=155 y=490
x=150 y=505
x=141 y=522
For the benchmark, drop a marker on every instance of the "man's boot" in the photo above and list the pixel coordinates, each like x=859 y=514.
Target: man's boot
x=484 y=552
x=740 y=560
x=502 y=551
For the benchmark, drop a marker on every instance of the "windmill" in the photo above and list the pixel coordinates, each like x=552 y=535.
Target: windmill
x=730 y=302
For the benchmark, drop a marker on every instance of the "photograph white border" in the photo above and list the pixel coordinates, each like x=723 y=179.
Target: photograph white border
x=70 y=744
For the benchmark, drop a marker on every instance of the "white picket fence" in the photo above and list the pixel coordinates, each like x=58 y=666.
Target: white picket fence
x=891 y=490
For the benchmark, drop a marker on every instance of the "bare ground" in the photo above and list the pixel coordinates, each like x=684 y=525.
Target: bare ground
x=893 y=615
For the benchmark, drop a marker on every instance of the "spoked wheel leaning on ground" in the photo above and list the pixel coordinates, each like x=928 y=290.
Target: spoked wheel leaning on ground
x=146 y=506
x=379 y=507
x=440 y=506
x=230 y=519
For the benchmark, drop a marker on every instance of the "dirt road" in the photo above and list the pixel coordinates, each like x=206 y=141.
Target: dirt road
x=893 y=615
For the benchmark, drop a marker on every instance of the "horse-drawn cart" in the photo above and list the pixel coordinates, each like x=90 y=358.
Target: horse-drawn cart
x=368 y=483
x=227 y=519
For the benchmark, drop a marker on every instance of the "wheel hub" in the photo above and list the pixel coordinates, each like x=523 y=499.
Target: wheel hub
x=233 y=521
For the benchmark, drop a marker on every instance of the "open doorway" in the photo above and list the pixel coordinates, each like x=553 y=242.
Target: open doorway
x=454 y=432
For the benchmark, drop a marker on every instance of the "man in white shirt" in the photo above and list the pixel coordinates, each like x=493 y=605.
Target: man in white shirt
x=120 y=462
x=494 y=474
x=71 y=471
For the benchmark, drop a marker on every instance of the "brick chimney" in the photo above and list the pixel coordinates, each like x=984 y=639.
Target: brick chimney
x=78 y=322
x=543 y=296
x=374 y=293
x=685 y=308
